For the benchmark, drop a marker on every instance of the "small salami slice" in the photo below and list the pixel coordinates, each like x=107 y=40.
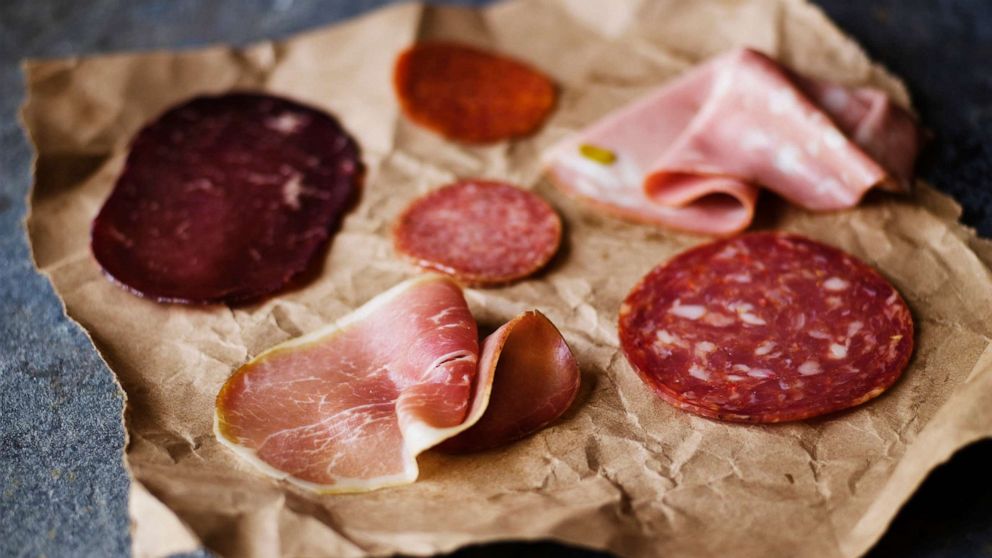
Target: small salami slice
x=469 y=95
x=483 y=233
x=226 y=199
x=766 y=327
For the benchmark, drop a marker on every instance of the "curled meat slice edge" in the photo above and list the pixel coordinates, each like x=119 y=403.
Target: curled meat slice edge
x=349 y=407
x=692 y=154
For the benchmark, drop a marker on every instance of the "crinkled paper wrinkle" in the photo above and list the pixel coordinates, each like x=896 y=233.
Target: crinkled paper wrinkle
x=621 y=471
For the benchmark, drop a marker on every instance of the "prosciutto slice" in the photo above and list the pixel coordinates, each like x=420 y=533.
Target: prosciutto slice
x=349 y=407
x=692 y=154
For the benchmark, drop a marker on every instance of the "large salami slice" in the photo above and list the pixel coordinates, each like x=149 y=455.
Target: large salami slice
x=469 y=95
x=226 y=199
x=766 y=327
x=481 y=232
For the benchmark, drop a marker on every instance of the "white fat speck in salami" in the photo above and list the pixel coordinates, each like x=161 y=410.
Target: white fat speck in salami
x=764 y=348
x=802 y=338
x=835 y=284
x=688 y=311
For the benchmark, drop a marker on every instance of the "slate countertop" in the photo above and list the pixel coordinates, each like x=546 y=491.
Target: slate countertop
x=63 y=488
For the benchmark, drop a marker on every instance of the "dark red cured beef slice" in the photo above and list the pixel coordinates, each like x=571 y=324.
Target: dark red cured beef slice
x=766 y=327
x=226 y=199
x=483 y=233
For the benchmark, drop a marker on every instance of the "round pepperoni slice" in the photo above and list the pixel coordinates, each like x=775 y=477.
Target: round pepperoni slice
x=226 y=199
x=472 y=96
x=766 y=327
x=483 y=233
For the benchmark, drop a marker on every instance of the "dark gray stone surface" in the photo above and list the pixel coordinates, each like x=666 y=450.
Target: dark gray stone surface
x=63 y=488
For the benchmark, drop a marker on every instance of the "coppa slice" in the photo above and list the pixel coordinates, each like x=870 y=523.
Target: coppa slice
x=469 y=95
x=481 y=232
x=692 y=154
x=766 y=327
x=226 y=199
x=349 y=407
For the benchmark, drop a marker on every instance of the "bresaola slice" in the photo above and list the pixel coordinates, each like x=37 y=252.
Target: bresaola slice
x=349 y=407
x=481 y=232
x=766 y=327
x=470 y=95
x=226 y=199
x=692 y=154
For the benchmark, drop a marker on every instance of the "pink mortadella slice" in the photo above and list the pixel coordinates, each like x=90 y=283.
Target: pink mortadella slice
x=633 y=138
x=692 y=154
x=349 y=407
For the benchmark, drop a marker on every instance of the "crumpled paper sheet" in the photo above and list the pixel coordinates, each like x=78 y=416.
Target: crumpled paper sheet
x=622 y=470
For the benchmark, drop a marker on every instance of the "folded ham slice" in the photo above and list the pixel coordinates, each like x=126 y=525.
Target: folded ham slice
x=692 y=154
x=349 y=407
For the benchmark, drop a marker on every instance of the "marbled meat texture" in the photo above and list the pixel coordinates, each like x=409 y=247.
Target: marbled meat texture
x=766 y=327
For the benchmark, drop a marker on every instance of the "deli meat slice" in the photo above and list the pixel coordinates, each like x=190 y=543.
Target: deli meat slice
x=349 y=407
x=470 y=95
x=766 y=327
x=226 y=199
x=481 y=232
x=535 y=378
x=692 y=154
x=884 y=130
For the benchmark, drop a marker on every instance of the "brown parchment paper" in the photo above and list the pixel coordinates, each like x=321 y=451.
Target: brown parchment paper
x=622 y=471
